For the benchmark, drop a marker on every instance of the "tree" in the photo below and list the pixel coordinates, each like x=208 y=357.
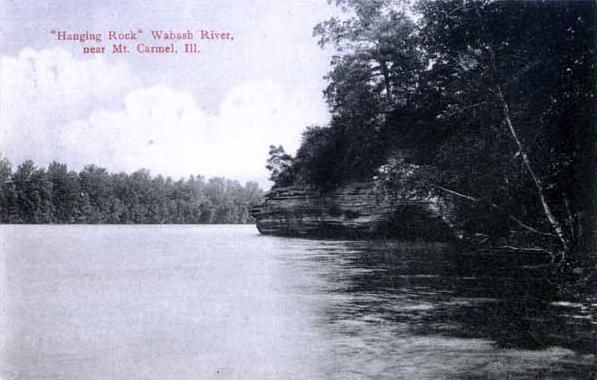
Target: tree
x=66 y=192
x=492 y=112
x=522 y=96
x=96 y=185
x=9 y=212
x=377 y=62
x=34 y=194
x=279 y=164
x=375 y=71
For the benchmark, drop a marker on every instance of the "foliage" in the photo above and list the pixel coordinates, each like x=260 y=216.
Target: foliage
x=280 y=164
x=57 y=195
x=488 y=104
x=372 y=71
x=516 y=117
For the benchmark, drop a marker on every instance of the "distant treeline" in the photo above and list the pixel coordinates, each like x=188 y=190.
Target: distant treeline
x=33 y=194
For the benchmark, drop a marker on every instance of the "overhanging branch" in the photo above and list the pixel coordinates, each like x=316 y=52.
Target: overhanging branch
x=493 y=205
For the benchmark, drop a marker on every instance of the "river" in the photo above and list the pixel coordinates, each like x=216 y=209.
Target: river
x=223 y=302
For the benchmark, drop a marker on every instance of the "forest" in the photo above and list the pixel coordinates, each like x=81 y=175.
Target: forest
x=55 y=194
x=488 y=105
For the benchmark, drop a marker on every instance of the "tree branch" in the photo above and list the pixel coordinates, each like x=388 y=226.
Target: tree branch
x=495 y=206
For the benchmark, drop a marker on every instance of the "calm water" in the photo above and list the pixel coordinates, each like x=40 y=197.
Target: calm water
x=195 y=302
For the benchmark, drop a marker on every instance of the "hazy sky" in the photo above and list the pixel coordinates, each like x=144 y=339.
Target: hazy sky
x=214 y=113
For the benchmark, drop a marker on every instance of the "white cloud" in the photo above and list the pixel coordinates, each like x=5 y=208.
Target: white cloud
x=82 y=112
x=165 y=130
x=41 y=90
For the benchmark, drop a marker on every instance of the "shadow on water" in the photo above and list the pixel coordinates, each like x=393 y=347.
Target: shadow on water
x=434 y=290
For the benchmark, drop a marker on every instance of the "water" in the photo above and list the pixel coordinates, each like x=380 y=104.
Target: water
x=202 y=302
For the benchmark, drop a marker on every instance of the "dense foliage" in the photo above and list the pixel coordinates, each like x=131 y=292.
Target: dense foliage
x=57 y=195
x=487 y=104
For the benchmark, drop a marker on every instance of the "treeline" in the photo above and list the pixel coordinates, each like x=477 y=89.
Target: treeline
x=34 y=194
x=489 y=105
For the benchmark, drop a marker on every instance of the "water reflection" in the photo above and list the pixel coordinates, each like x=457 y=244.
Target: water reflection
x=196 y=302
x=427 y=310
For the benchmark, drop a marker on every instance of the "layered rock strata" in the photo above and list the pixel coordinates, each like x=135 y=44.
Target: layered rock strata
x=358 y=210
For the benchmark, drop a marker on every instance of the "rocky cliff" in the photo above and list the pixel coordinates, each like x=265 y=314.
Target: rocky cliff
x=358 y=210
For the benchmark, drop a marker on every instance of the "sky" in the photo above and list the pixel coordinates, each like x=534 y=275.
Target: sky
x=213 y=113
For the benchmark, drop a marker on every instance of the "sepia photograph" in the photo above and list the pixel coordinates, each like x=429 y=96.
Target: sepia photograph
x=298 y=189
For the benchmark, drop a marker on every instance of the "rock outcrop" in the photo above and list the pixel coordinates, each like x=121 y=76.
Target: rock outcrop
x=358 y=210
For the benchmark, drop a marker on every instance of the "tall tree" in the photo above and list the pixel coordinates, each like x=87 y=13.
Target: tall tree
x=9 y=212
x=474 y=101
x=522 y=95
x=66 y=193
x=374 y=70
x=34 y=193
x=279 y=164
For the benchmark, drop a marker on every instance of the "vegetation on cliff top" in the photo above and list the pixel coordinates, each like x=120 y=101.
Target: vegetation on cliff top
x=490 y=103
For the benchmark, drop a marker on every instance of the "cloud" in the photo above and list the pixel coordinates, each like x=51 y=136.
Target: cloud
x=81 y=112
x=164 y=129
x=41 y=90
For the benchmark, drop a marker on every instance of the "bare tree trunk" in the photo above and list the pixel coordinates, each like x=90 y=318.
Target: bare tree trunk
x=387 y=82
x=536 y=180
x=527 y=162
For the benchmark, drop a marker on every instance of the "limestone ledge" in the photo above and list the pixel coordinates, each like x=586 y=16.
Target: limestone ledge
x=357 y=210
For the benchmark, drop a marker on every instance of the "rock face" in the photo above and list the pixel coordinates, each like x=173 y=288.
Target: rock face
x=357 y=210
